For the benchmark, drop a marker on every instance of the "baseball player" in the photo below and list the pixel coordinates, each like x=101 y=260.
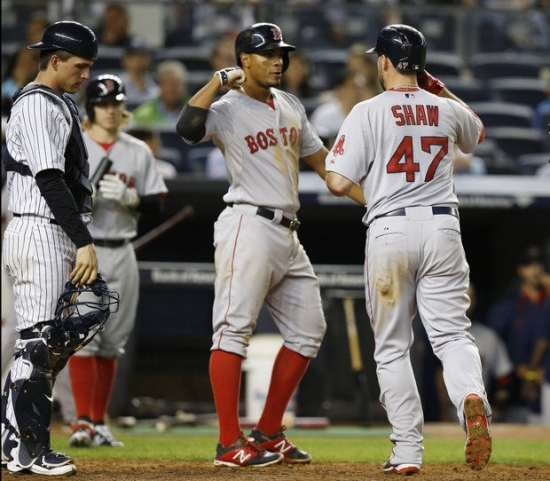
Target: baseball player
x=131 y=186
x=398 y=146
x=262 y=132
x=47 y=241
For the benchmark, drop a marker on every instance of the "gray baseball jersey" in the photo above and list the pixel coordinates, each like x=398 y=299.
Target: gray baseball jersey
x=36 y=136
x=390 y=169
x=262 y=146
x=133 y=161
x=398 y=147
x=262 y=161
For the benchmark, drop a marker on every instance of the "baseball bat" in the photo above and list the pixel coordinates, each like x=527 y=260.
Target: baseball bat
x=357 y=366
x=104 y=166
x=168 y=224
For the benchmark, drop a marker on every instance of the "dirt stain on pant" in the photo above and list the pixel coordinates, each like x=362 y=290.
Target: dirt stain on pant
x=389 y=283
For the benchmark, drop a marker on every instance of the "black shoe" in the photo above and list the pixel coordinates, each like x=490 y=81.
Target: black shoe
x=279 y=443
x=245 y=453
x=49 y=464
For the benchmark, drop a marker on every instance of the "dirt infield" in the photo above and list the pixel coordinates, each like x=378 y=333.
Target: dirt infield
x=149 y=471
x=108 y=470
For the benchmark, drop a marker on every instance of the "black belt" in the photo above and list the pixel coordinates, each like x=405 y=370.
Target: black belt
x=110 y=242
x=292 y=224
x=52 y=221
x=437 y=210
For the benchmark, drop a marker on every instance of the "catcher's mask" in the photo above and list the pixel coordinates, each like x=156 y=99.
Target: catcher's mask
x=90 y=305
x=405 y=46
x=261 y=37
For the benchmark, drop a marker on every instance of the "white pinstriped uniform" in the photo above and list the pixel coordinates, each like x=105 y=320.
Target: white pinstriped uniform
x=398 y=147
x=37 y=255
x=133 y=161
x=262 y=147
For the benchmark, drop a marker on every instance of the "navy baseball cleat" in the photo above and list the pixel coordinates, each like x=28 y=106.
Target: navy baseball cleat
x=279 y=443
x=244 y=453
x=48 y=464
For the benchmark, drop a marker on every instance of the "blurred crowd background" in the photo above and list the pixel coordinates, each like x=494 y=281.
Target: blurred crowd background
x=495 y=54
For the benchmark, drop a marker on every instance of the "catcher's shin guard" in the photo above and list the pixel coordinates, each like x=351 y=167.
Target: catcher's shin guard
x=8 y=433
x=27 y=404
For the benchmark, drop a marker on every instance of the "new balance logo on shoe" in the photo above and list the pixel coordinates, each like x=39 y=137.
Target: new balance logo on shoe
x=283 y=446
x=243 y=453
x=241 y=456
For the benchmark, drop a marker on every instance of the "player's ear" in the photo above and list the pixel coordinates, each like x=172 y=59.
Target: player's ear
x=245 y=60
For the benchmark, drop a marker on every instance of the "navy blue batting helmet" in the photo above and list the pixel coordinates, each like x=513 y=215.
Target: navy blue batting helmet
x=405 y=46
x=101 y=88
x=261 y=37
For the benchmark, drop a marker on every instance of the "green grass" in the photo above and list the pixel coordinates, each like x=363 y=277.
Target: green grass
x=361 y=445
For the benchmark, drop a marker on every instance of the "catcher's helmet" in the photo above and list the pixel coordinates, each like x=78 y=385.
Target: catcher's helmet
x=403 y=45
x=97 y=301
x=80 y=314
x=70 y=36
x=104 y=87
x=261 y=37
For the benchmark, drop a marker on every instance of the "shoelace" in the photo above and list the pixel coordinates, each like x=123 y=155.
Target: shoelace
x=105 y=433
x=252 y=446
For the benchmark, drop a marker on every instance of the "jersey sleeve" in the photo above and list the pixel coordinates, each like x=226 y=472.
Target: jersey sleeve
x=469 y=128
x=44 y=133
x=152 y=181
x=350 y=152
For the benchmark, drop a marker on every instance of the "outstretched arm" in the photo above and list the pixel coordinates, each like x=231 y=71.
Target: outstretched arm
x=317 y=162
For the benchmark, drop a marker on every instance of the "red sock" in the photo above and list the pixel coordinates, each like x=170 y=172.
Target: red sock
x=288 y=370
x=106 y=373
x=83 y=374
x=225 y=376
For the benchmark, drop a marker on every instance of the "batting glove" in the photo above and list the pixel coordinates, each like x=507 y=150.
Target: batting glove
x=429 y=83
x=112 y=187
x=231 y=77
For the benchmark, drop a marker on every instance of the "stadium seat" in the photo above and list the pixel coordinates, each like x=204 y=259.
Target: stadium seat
x=517 y=141
x=327 y=62
x=503 y=114
x=194 y=58
x=467 y=89
x=527 y=91
x=528 y=164
x=442 y=64
x=108 y=59
x=188 y=159
x=486 y=66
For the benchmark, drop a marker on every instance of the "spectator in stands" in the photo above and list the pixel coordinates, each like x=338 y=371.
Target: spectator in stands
x=21 y=69
x=535 y=375
x=297 y=78
x=498 y=370
x=366 y=65
x=327 y=118
x=542 y=110
x=35 y=28
x=223 y=53
x=516 y=318
x=140 y=85
x=153 y=140
x=164 y=110
x=114 y=29
x=467 y=163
